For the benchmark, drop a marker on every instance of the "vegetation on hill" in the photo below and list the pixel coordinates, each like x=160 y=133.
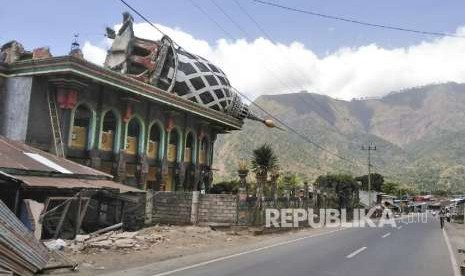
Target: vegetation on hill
x=418 y=133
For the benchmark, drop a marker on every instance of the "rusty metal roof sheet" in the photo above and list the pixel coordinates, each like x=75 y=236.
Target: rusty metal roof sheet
x=20 y=252
x=72 y=183
x=13 y=156
x=66 y=174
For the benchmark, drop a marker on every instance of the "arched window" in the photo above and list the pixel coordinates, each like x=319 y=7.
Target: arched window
x=173 y=146
x=189 y=148
x=80 y=135
x=109 y=129
x=134 y=133
x=154 y=143
x=203 y=158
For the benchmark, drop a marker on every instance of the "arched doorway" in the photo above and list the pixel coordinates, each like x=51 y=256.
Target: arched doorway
x=154 y=146
x=203 y=154
x=154 y=142
x=173 y=146
x=109 y=129
x=189 y=148
x=189 y=153
x=134 y=140
x=172 y=154
x=80 y=134
x=133 y=136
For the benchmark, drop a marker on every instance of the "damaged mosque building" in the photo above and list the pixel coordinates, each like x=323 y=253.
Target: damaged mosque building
x=149 y=116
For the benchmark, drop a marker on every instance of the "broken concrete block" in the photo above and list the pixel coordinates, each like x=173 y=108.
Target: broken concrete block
x=125 y=235
x=124 y=243
x=101 y=244
x=81 y=238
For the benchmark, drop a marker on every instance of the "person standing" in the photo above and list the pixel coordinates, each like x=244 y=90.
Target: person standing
x=442 y=215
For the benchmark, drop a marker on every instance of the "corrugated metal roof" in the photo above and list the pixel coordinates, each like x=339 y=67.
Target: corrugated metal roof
x=20 y=252
x=12 y=155
x=72 y=183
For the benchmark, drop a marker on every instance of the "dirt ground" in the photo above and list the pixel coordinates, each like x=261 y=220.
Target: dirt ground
x=151 y=245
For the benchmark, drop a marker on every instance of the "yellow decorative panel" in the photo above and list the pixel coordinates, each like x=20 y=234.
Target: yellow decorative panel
x=172 y=153
x=107 y=141
x=79 y=137
x=187 y=155
x=203 y=157
x=131 y=145
x=152 y=151
x=169 y=180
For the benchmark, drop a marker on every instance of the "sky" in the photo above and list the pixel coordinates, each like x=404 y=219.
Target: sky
x=319 y=55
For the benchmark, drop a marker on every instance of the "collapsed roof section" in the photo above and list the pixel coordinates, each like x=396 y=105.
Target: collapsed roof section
x=169 y=67
x=34 y=168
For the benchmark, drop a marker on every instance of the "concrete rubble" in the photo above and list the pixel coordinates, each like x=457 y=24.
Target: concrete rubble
x=114 y=241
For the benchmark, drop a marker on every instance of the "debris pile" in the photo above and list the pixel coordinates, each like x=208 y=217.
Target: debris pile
x=113 y=241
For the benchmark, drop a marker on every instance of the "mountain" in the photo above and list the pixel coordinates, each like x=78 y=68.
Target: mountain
x=419 y=134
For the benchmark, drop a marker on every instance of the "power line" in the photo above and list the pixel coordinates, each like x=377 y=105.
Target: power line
x=243 y=95
x=294 y=131
x=145 y=19
x=355 y=21
x=252 y=102
x=230 y=18
x=211 y=19
x=268 y=36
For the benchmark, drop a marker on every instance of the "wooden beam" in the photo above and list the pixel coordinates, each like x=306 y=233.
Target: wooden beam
x=62 y=219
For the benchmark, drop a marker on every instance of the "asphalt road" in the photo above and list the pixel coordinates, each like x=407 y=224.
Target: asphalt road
x=410 y=249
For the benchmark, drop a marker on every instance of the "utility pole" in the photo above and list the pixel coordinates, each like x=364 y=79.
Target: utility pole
x=369 y=148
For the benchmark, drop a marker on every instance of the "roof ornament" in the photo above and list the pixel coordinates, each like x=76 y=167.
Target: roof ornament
x=76 y=48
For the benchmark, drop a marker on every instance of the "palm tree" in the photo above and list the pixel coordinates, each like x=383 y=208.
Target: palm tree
x=264 y=160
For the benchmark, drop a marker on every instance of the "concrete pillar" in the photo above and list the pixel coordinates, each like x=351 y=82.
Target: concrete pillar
x=195 y=207
x=148 y=207
x=16 y=100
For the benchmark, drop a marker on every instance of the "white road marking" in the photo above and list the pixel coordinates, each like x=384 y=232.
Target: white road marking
x=351 y=255
x=453 y=261
x=386 y=235
x=243 y=253
x=400 y=227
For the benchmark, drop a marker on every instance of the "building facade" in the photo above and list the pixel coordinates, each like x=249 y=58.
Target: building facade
x=145 y=137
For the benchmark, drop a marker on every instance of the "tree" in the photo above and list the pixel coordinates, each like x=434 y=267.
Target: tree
x=289 y=181
x=377 y=181
x=264 y=160
x=390 y=188
x=341 y=190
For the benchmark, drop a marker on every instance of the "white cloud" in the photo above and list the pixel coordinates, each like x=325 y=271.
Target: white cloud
x=261 y=67
x=94 y=53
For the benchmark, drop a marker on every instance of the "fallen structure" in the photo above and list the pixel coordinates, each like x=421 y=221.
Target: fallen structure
x=20 y=252
x=57 y=198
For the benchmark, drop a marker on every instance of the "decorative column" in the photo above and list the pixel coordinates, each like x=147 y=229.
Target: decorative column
x=180 y=164
x=242 y=204
x=142 y=171
x=164 y=164
x=197 y=168
x=120 y=174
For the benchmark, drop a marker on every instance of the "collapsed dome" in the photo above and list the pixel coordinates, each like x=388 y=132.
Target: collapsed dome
x=169 y=67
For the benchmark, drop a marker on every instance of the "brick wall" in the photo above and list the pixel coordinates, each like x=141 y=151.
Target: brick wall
x=172 y=207
x=217 y=208
x=176 y=208
x=134 y=213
